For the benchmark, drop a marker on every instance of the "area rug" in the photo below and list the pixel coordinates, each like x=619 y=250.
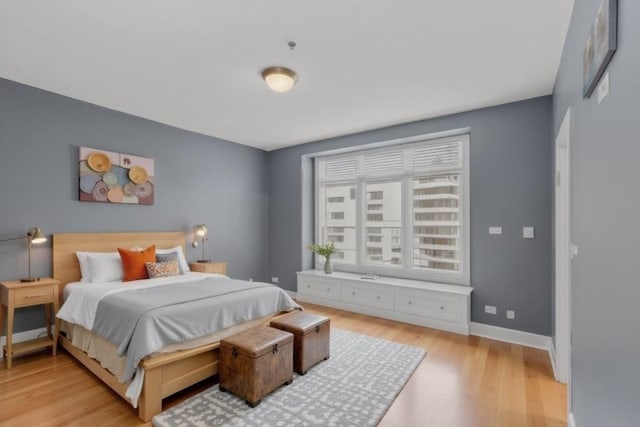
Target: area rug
x=355 y=387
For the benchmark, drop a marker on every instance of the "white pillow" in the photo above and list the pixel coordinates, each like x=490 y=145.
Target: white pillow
x=83 y=261
x=184 y=266
x=105 y=267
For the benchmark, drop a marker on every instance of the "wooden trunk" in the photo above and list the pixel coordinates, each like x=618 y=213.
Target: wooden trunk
x=256 y=362
x=310 y=338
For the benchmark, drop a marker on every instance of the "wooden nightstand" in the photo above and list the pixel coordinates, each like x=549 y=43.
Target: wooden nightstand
x=209 y=267
x=17 y=294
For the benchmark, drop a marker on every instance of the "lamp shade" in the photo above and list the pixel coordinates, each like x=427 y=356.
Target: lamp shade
x=200 y=230
x=36 y=235
x=279 y=79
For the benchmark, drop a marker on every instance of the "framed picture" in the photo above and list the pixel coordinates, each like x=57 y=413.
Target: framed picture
x=109 y=177
x=601 y=45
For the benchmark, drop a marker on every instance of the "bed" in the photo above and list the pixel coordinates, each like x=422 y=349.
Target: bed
x=164 y=373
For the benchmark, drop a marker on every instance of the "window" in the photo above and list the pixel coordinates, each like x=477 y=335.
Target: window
x=339 y=221
x=375 y=195
x=400 y=210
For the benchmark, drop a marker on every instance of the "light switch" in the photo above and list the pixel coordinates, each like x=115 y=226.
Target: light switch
x=528 y=232
x=495 y=230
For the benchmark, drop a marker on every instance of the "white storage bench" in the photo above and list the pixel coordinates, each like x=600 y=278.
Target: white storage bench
x=434 y=305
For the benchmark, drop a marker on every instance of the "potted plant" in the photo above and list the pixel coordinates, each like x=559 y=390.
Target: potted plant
x=325 y=250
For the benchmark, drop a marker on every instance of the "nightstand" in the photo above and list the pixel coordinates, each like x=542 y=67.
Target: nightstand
x=209 y=267
x=16 y=294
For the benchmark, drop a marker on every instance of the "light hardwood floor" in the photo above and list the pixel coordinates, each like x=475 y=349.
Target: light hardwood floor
x=463 y=381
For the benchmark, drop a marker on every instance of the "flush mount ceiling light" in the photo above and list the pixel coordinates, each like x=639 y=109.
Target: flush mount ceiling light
x=279 y=79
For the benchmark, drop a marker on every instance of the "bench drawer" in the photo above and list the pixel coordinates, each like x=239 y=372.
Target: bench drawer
x=436 y=305
x=320 y=287
x=369 y=294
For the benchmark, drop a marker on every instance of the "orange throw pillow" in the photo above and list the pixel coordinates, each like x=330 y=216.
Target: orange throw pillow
x=133 y=263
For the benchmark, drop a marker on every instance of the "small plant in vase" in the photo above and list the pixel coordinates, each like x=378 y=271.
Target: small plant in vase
x=326 y=251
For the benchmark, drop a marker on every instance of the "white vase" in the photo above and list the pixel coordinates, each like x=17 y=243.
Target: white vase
x=328 y=268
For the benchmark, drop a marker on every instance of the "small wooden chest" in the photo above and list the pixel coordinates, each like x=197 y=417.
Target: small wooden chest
x=310 y=338
x=255 y=362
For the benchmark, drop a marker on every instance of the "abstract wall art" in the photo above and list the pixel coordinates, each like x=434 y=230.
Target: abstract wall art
x=108 y=177
x=601 y=45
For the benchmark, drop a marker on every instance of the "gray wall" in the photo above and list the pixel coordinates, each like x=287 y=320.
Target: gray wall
x=605 y=213
x=198 y=180
x=510 y=187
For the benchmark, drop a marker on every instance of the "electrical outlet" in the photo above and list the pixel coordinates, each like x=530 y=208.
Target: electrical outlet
x=251 y=279
x=491 y=309
x=495 y=230
x=511 y=314
x=275 y=280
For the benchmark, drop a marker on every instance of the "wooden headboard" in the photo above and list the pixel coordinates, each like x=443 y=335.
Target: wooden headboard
x=65 y=245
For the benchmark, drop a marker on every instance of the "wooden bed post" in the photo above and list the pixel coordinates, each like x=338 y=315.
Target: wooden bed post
x=150 y=402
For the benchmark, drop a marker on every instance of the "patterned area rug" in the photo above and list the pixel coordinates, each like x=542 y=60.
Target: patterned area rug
x=355 y=387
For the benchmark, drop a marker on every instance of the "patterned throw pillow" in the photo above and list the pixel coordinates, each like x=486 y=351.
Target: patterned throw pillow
x=168 y=257
x=162 y=269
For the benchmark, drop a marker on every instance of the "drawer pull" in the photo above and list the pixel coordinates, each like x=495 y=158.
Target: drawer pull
x=328 y=289
x=442 y=307
x=308 y=286
x=353 y=293
x=410 y=302
x=378 y=296
x=34 y=296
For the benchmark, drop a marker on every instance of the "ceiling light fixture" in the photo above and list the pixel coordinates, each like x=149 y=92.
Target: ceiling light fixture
x=279 y=79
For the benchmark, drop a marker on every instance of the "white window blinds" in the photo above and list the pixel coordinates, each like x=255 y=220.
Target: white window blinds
x=442 y=154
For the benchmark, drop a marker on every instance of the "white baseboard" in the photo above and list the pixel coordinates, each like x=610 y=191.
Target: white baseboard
x=552 y=356
x=23 y=336
x=528 y=339
x=572 y=421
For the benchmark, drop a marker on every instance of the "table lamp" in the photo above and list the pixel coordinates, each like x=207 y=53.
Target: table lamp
x=200 y=231
x=33 y=236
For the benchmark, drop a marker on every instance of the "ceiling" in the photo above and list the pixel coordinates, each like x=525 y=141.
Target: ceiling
x=362 y=64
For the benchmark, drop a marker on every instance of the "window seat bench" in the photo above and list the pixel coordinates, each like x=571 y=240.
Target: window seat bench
x=434 y=305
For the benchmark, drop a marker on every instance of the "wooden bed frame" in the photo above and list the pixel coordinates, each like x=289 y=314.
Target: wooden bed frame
x=165 y=374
